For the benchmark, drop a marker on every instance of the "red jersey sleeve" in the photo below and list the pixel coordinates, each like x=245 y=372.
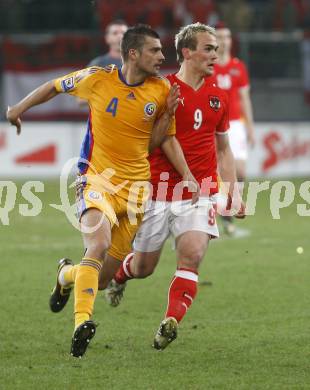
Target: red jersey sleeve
x=244 y=76
x=223 y=124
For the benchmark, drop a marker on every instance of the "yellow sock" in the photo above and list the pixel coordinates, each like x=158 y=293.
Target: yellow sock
x=86 y=288
x=70 y=275
x=80 y=318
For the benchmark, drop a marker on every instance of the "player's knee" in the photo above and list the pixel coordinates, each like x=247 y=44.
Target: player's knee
x=193 y=258
x=98 y=249
x=196 y=258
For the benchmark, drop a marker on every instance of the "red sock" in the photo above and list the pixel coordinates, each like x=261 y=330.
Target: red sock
x=124 y=273
x=182 y=292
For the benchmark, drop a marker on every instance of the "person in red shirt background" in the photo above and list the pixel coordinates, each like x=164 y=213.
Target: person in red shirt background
x=231 y=75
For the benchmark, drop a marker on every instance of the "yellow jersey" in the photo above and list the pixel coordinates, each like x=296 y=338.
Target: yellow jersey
x=120 y=121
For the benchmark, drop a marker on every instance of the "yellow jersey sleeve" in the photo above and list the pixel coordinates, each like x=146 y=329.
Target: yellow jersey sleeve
x=78 y=83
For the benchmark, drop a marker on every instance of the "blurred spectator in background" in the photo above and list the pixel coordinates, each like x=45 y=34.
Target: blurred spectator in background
x=113 y=35
x=165 y=15
x=231 y=74
x=40 y=15
x=186 y=12
x=237 y=14
x=288 y=14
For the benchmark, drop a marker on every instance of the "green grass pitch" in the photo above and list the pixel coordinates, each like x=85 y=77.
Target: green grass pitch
x=249 y=330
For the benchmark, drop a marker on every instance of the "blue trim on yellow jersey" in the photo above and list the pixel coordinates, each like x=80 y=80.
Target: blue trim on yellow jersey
x=123 y=80
x=87 y=148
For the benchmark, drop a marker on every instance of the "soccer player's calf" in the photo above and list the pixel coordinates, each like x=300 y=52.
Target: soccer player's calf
x=190 y=249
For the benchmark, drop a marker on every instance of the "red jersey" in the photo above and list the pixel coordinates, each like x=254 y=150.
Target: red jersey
x=200 y=114
x=231 y=77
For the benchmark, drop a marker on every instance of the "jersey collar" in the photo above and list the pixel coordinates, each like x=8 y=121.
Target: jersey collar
x=123 y=80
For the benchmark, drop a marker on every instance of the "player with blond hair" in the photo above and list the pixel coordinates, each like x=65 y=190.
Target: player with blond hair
x=202 y=130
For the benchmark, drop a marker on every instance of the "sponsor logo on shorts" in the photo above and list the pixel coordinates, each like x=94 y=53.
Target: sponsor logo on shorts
x=93 y=195
x=67 y=84
x=150 y=109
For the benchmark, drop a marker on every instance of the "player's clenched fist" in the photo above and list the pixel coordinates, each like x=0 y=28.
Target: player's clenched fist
x=13 y=117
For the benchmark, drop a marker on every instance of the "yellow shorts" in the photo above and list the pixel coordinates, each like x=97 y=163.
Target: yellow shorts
x=124 y=220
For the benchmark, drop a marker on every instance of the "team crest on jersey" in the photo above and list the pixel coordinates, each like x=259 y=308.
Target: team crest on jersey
x=67 y=84
x=149 y=109
x=94 y=195
x=215 y=103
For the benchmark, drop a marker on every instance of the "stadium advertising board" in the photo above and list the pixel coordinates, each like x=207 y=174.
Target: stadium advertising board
x=282 y=149
x=40 y=150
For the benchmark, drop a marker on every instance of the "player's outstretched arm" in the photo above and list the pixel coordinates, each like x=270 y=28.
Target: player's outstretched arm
x=163 y=123
x=227 y=171
x=175 y=155
x=40 y=95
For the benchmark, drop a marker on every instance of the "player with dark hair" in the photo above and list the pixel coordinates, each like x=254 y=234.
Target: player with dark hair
x=202 y=124
x=130 y=108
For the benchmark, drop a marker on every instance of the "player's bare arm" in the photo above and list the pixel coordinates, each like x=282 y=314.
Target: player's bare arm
x=247 y=111
x=162 y=124
x=40 y=95
x=175 y=155
x=227 y=170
